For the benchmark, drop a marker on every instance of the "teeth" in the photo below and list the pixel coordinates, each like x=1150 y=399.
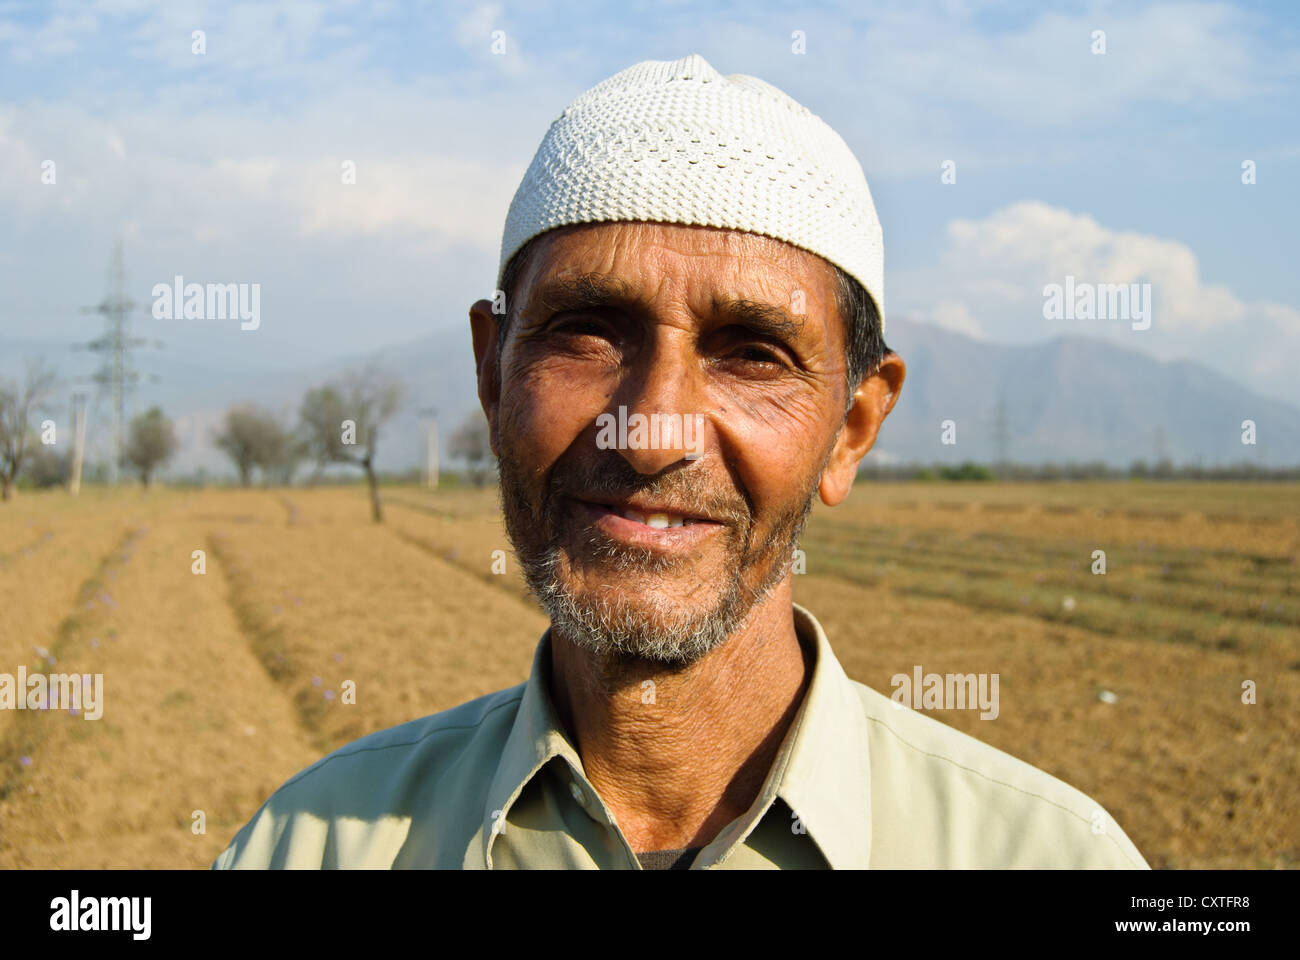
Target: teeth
x=658 y=521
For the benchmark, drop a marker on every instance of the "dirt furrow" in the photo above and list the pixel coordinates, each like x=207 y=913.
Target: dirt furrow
x=192 y=736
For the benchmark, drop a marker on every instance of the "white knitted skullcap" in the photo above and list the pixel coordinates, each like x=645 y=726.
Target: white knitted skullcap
x=677 y=142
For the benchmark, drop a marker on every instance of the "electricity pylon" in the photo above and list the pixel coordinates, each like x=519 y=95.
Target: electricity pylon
x=116 y=376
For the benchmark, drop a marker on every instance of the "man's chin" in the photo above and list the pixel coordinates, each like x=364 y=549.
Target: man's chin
x=646 y=627
x=624 y=583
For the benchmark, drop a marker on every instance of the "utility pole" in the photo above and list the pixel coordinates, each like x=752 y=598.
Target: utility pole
x=79 y=441
x=430 y=447
x=116 y=375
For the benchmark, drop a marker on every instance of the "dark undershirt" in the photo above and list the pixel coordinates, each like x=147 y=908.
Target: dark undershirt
x=668 y=859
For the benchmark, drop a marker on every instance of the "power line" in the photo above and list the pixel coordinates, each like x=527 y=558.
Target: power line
x=116 y=376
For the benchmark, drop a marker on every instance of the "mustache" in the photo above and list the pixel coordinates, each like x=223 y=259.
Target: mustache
x=688 y=488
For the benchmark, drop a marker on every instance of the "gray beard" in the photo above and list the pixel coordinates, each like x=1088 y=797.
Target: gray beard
x=653 y=628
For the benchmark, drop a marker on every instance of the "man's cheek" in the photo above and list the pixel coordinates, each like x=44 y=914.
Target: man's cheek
x=547 y=422
x=524 y=428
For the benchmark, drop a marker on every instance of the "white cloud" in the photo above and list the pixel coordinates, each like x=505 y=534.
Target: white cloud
x=474 y=29
x=1279 y=363
x=205 y=185
x=1167 y=52
x=234 y=158
x=60 y=35
x=989 y=280
x=912 y=84
x=449 y=199
x=475 y=32
x=425 y=171
x=953 y=315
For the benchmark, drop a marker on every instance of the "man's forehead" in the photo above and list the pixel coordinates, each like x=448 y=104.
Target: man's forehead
x=735 y=264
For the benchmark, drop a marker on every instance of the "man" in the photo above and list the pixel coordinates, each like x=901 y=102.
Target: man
x=692 y=351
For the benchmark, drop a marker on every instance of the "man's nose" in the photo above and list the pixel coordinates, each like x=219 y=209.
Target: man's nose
x=659 y=412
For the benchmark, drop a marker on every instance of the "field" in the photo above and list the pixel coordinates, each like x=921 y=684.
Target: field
x=219 y=686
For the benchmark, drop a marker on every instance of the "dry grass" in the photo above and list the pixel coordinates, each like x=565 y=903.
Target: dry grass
x=1200 y=594
x=219 y=687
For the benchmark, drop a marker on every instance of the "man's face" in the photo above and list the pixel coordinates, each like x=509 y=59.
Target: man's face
x=652 y=543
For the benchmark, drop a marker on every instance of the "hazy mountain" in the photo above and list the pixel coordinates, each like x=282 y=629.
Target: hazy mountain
x=1068 y=399
x=1073 y=399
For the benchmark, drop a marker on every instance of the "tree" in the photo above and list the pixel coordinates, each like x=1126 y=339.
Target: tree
x=17 y=404
x=470 y=442
x=151 y=441
x=968 y=470
x=251 y=437
x=46 y=467
x=291 y=451
x=341 y=422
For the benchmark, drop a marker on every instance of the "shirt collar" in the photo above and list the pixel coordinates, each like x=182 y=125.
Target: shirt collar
x=536 y=736
x=822 y=770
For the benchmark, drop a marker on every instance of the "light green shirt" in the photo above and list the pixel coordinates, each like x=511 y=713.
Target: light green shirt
x=859 y=782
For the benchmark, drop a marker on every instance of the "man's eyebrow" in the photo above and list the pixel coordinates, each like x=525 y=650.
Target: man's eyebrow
x=583 y=292
x=591 y=290
x=765 y=319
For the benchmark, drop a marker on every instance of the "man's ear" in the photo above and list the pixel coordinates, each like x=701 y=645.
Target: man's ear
x=872 y=401
x=483 y=328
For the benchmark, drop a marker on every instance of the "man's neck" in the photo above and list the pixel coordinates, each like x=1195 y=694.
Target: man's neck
x=678 y=759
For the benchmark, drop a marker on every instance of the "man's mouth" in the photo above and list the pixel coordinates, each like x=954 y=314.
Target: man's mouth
x=659 y=520
x=625 y=520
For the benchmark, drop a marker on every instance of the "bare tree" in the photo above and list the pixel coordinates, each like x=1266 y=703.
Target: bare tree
x=341 y=422
x=470 y=442
x=151 y=441
x=17 y=404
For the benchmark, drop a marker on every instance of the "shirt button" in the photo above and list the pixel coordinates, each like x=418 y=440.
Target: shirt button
x=591 y=806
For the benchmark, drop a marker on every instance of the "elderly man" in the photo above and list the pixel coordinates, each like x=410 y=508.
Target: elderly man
x=686 y=348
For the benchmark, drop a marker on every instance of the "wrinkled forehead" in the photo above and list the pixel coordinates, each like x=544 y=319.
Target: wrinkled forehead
x=654 y=259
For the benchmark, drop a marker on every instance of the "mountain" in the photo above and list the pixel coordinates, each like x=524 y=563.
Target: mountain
x=1068 y=399
x=1073 y=399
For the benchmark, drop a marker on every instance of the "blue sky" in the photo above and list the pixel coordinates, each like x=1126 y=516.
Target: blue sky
x=224 y=167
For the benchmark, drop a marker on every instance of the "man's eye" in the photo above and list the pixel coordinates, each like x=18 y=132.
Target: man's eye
x=757 y=354
x=756 y=359
x=582 y=326
x=749 y=353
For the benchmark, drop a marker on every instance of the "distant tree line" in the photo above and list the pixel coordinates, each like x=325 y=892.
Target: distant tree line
x=338 y=423
x=28 y=448
x=1095 y=470
x=257 y=440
